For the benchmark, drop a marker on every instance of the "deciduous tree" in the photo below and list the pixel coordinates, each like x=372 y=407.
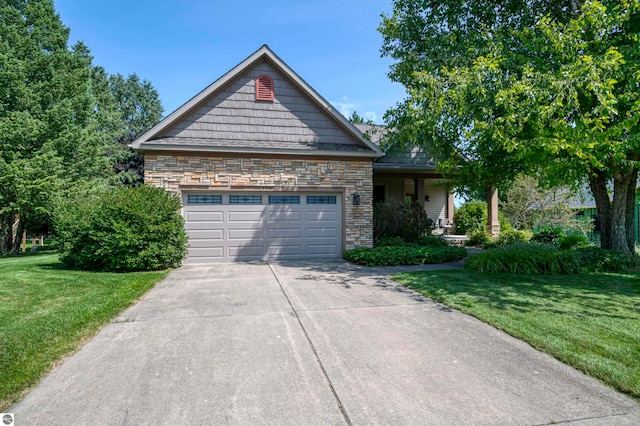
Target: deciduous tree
x=503 y=88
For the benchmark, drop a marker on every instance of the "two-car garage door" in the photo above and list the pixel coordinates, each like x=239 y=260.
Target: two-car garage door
x=240 y=226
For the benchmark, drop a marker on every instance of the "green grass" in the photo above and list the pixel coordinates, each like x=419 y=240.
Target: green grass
x=46 y=312
x=590 y=321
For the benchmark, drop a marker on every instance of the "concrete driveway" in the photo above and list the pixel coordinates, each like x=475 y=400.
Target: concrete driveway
x=309 y=343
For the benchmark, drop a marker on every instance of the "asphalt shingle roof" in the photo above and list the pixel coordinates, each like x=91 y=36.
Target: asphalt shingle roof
x=397 y=157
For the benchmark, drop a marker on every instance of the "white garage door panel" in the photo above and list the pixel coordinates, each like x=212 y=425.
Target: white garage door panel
x=211 y=253
x=204 y=243
x=224 y=231
x=322 y=216
x=244 y=216
x=321 y=233
x=275 y=233
x=246 y=252
x=323 y=250
x=204 y=217
x=293 y=217
x=286 y=251
x=216 y=234
x=204 y=226
x=245 y=234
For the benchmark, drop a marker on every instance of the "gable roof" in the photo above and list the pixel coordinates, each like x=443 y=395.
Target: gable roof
x=300 y=122
x=397 y=158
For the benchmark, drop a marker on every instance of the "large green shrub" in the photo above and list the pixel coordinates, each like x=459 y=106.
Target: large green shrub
x=548 y=236
x=547 y=259
x=431 y=241
x=596 y=259
x=416 y=255
x=423 y=240
x=573 y=241
x=470 y=217
x=121 y=229
x=511 y=236
x=477 y=238
x=400 y=219
x=390 y=242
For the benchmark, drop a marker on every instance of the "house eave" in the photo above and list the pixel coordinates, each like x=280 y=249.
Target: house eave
x=262 y=151
x=402 y=169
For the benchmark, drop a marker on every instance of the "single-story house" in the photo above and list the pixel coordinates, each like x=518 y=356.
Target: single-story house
x=266 y=168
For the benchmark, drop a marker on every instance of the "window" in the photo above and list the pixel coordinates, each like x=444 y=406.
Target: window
x=264 y=88
x=204 y=199
x=284 y=199
x=245 y=199
x=321 y=199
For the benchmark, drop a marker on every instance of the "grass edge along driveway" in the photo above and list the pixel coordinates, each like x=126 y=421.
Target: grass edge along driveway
x=589 y=321
x=47 y=312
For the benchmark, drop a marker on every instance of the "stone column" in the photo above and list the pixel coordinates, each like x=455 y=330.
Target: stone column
x=493 y=225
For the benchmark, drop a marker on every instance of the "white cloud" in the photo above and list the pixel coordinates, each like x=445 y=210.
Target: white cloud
x=347 y=106
x=370 y=115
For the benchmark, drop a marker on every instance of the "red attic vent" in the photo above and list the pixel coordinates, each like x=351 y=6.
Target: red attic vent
x=264 y=88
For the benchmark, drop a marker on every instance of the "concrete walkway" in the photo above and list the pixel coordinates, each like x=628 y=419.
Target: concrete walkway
x=309 y=343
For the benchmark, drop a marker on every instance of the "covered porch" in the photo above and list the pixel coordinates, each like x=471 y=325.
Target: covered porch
x=409 y=174
x=428 y=189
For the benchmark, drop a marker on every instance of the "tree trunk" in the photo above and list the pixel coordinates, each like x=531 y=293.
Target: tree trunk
x=631 y=212
x=17 y=238
x=598 y=185
x=5 y=233
x=623 y=182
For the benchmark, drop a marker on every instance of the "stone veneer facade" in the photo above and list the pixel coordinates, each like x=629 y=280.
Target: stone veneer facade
x=188 y=172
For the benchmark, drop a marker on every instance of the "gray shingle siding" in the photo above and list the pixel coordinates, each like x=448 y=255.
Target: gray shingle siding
x=232 y=117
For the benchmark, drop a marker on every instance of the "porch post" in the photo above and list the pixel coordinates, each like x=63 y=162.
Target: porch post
x=493 y=225
x=450 y=211
x=419 y=191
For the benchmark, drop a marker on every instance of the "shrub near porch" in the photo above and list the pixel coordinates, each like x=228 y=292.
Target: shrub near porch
x=394 y=251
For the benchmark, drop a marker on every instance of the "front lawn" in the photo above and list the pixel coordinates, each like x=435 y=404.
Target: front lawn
x=46 y=312
x=589 y=321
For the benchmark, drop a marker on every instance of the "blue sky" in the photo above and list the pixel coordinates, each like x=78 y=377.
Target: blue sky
x=183 y=46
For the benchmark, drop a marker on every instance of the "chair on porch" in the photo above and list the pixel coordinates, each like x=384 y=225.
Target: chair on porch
x=445 y=224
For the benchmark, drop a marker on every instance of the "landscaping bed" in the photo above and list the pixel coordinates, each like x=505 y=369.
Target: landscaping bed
x=404 y=255
x=46 y=312
x=548 y=259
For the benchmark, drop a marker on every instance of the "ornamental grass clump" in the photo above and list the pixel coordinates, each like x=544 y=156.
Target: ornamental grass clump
x=547 y=259
x=522 y=258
